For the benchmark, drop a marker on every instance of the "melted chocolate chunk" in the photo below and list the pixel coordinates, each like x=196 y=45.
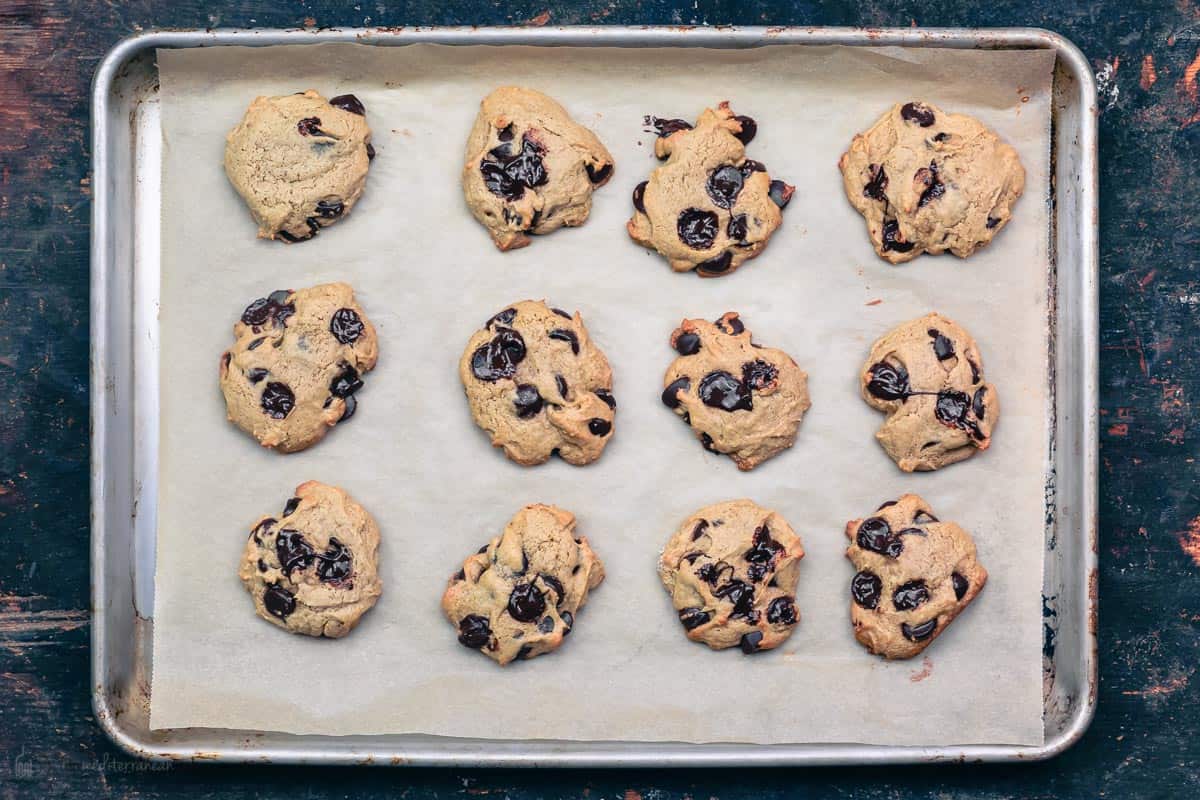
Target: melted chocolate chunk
x=952 y=408
x=508 y=175
x=910 y=595
x=865 y=588
x=992 y=222
x=886 y=504
x=700 y=529
x=277 y=400
x=977 y=402
x=693 y=617
x=568 y=621
x=919 y=632
x=713 y=573
x=547 y=624
x=892 y=240
x=505 y=134
x=290 y=507
x=718 y=265
x=274 y=309
x=918 y=113
x=279 y=602
x=934 y=188
x=564 y=335
x=687 y=343
x=877 y=185
x=749 y=129
x=706 y=441
x=330 y=209
x=310 y=126
x=750 y=166
x=759 y=374
x=763 y=548
x=750 y=642
x=554 y=583
x=740 y=594
x=474 y=631
x=498 y=358
x=639 y=196
x=346 y=326
x=335 y=563
x=293 y=551
x=781 y=193
x=527 y=401
x=782 y=611
x=606 y=396
x=670 y=396
x=943 y=346
x=697 y=228
x=721 y=390
x=599 y=427
x=876 y=535
x=560 y=383
x=737 y=228
x=960 y=585
x=923 y=518
x=348 y=102
x=665 y=127
x=349 y=406
x=370 y=151
x=889 y=382
x=724 y=185
x=256 y=374
x=346 y=383
x=598 y=175
x=526 y=603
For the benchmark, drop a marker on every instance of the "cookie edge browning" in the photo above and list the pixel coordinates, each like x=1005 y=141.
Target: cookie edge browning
x=515 y=240
x=853 y=188
x=977 y=580
x=266 y=232
x=888 y=407
x=680 y=540
x=568 y=521
x=247 y=574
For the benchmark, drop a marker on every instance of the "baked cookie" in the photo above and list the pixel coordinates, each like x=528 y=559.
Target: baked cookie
x=709 y=208
x=915 y=574
x=296 y=363
x=315 y=569
x=518 y=596
x=731 y=570
x=741 y=399
x=530 y=167
x=299 y=161
x=927 y=181
x=927 y=376
x=538 y=385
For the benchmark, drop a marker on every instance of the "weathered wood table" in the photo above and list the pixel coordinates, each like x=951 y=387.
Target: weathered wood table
x=1144 y=739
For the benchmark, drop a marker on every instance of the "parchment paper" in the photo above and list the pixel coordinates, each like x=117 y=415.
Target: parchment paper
x=428 y=276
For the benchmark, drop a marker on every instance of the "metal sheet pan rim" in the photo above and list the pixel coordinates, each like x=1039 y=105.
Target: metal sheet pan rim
x=450 y=752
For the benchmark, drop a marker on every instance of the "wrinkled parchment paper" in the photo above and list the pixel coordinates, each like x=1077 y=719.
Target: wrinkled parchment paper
x=428 y=276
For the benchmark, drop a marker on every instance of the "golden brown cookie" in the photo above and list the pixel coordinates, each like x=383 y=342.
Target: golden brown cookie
x=299 y=161
x=314 y=569
x=741 y=399
x=297 y=361
x=519 y=595
x=927 y=376
x=708 y=208
x=927 y=182
x=915 y=575
x=539 y=385
x=731 y=571
x=530 y=167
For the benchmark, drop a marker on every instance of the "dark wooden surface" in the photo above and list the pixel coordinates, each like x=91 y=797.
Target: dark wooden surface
x=1144 y=740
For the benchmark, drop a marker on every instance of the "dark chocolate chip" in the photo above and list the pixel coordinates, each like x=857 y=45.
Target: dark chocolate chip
x=918 y=113
x=749 y=129
x=524 y=651
x=960 y=585
x=763 y=548
x=693 y=617
x=759 y=374
x=461 y=575
x=346 y=326
x=866 y=588
x=277 y=400
x=733 y=325
x=910 y=595
x=349 y=406
x=721 y=390
x=262 y=565
x=889 y=382
x=687 y=343
x=891 y=238
x=279 y=601
x=498 y=358
x=527 y=401
x=568 y=621
x=257 y=343
x=977 y=402
x=639 y=196
x=920 y=631
x=697 y=228
x=714 y=573
x=782 y=611
x=923 y=518
x=665 y=127
x=474 y=631
x=599 y=427
x=256 y=374
x=750 y=642
x=290 y=507
x=293 y=551
x=877 y=185
x=706 y=441
x=547 y=624
x=554 y=583
x=348 y=102
x=740 y=594
x=505 y=134
x=700 y=529
x=560 y=383
x=526 y=603
x=346 y=383
x=598 y=175
x=370 y=151
x=992 y=222
x=934 y=188
x=508 y=175
x=943 y=346
x=309 y=126
x=750 y=166
x=737 y=228
x=886 y=504
x=952 y=408
x=330 y=209
x=564 y=335
x=781 y=193
x=718 y=265
x=606 y=396
x=724 y=185
x=292 y=238
x=336 y=563
x=876 y=535
x=941 y=137
x=504 y=317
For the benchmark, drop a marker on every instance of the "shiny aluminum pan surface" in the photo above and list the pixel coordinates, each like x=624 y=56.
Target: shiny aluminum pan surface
x=126 y=146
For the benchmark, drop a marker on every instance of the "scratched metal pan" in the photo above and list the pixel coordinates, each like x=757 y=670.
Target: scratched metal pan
x=126 y=146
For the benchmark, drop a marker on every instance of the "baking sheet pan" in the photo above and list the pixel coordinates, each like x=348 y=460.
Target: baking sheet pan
x=591 y=752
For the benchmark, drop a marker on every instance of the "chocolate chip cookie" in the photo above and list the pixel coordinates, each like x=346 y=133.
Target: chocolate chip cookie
x=298 y=359
x=519 y=595
x=927 y=376
x=708 y=208
x=741 y=399
x=927 y=181
x=915 y=575
x=314 y=569
x=530 y=167
x=731 y=571
x=539 y=385
x=299 y=161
